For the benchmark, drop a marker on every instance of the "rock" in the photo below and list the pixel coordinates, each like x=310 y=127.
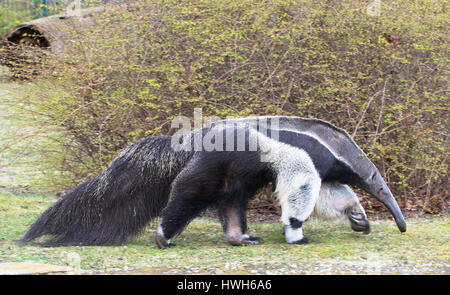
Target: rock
x=28 y=268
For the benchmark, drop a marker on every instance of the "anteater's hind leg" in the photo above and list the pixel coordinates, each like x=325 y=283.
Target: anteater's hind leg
x=232 y=214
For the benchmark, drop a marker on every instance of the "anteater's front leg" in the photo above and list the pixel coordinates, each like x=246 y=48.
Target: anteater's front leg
x=191 y=194
x=175 y=218
x=297 y=197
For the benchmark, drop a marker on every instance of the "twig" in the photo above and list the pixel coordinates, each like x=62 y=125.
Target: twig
x=160 y=127
x=364 y=113
x=286 y=95
x=379 y=116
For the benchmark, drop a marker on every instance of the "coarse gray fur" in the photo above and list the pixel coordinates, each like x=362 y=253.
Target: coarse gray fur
x=341 y=144
x=297 y=183
x=338 y=202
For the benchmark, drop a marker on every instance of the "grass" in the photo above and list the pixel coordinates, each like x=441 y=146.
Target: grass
x=422 y=249
x=24 y=137
x=201 y=248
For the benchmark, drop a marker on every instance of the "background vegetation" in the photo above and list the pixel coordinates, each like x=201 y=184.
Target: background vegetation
x=382 y=78
x=14 y=12
x=9 y=20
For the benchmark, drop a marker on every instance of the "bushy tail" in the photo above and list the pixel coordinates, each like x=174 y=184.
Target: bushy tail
x=114 y=206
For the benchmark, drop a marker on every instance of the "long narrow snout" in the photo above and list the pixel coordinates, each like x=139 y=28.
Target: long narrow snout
x=378 y=188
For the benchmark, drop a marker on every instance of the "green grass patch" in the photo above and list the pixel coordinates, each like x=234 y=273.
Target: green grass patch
x=202 y=245
x=26 y=137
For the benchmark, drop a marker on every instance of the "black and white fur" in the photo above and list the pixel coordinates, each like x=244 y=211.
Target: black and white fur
x=113 y=207
x=150 y=179
x=338 y=202
x=342 y=146
x=228 y=179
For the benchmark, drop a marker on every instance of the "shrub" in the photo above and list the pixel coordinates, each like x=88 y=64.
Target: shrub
x=10 y=19
x=382 y=78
